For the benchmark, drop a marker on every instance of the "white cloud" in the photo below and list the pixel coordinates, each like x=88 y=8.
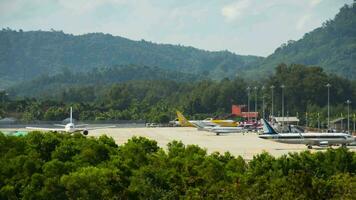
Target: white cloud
x=83 y=6
x=302 y=22
x=235 y=10
x=314 y=3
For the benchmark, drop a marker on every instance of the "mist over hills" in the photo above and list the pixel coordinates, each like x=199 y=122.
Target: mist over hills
x=36 y=55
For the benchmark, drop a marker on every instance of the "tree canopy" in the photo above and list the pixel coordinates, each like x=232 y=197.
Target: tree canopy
x=157 y=100
x=59 y=166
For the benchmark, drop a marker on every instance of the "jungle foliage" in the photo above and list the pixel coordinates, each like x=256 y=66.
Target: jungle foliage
x=157 y=100
x=59 y=166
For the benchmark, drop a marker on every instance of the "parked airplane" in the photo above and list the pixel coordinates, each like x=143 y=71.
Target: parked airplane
x=210 y=125
x=70 y=127
x=218 y=129
x=209 y=122
x=309 y=139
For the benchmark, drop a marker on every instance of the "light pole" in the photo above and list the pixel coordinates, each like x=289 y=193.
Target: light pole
x=248 y=103
x=348 y=115
x=4 y=95
x=342 y=122
x=354 y=122
x=306 y=120
x=272 y=87
x=263 y=101
x=255 y=103
x=328 y=85
x=283 y=86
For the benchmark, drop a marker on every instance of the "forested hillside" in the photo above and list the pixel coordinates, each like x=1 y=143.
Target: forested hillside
x=25 y=55
x=97 y=77
x=157 y=100
x=332 y=46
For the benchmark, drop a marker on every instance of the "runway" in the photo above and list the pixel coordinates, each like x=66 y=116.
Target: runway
x=238 y=144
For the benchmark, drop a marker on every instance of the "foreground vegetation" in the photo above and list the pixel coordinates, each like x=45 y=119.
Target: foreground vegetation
x=59 y=166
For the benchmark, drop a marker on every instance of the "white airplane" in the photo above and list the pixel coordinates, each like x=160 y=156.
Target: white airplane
x=212 y=127
x=309 y=139
x=70 y=127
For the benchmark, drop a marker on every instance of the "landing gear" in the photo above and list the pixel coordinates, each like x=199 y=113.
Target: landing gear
x=343 y=146
x=217 y=133
x=309 y=146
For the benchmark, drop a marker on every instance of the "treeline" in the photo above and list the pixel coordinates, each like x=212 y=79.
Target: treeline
x=59 y=166
x=157 y=100
x=104 y=76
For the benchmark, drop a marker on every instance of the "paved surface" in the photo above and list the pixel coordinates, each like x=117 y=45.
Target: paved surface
x=246 y=145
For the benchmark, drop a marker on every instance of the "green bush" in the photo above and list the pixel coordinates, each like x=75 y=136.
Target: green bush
x=59 y=166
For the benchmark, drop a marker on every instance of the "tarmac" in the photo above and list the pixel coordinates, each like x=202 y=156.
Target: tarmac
x=246 y=145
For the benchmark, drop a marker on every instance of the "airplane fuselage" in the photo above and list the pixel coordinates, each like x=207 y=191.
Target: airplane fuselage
x=310 y=138
x=70 y=128
x=227 y=129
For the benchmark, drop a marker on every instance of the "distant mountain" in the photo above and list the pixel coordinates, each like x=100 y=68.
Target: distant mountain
x=332 y=47
x=25 y=55
x=97 y=77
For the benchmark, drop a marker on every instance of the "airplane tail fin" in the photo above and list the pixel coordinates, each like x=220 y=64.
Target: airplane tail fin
x=267 y=128
x=71 y=115
x=182 y=120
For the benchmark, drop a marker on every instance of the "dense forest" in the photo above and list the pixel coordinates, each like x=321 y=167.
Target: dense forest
x=332 y=46
x=97 y=77
x=58 y=166
x=157 y=100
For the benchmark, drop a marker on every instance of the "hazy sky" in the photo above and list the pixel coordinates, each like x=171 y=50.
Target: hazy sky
x=255 y=27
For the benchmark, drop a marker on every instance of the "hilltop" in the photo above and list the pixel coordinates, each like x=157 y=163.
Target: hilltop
x=332 y=47
x=26 y=55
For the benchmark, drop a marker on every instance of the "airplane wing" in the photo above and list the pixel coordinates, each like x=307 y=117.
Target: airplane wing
x=62 y=125
x=198 y=124
x=81 y=125
x=95 y=128
x=44 y=129
x=209 y=124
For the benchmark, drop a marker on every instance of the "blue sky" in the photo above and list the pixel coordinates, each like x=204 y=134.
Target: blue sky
x=248 y=27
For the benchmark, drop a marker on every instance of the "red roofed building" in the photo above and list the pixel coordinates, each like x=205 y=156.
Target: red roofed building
x=241 y=111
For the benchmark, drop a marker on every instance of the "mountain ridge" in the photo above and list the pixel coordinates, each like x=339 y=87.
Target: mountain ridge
x=38 y=52
x=331 y=46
